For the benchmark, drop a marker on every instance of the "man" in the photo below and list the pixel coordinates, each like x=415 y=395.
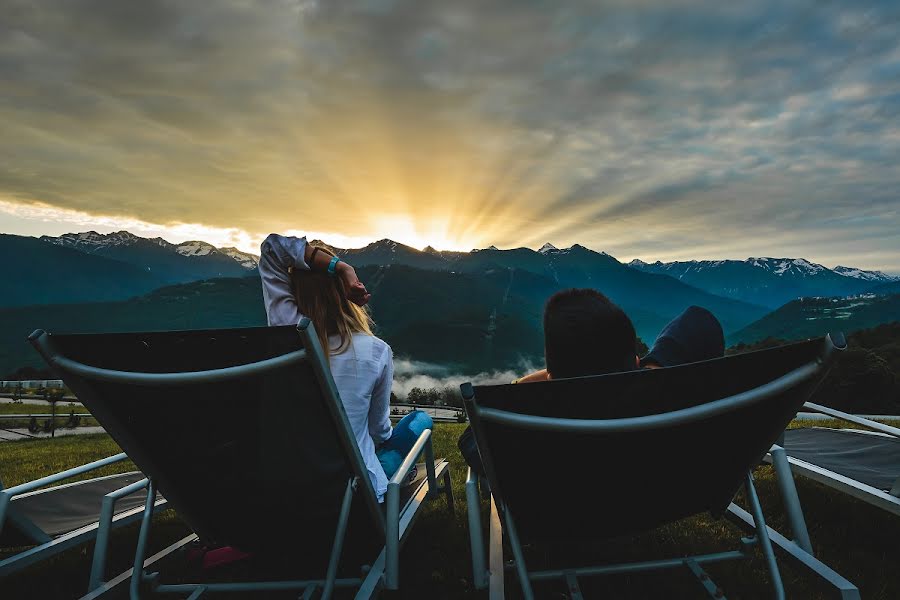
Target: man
x=587 y=334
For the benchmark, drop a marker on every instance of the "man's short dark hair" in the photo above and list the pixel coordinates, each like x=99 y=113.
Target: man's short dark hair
x=586 y=334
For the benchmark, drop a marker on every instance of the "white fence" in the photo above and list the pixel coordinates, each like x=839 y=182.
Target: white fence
x=34 y=384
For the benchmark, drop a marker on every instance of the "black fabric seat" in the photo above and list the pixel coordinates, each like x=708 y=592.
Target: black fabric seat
x=45 y=521
x=870 y=458
x=233 y=458
x=243 y=432
x=637 y=466
x=67 y=508
x=589 y=458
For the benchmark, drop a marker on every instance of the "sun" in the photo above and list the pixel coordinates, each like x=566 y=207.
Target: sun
x=418 y=233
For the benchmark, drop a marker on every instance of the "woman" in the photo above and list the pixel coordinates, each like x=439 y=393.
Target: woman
x=303 y=280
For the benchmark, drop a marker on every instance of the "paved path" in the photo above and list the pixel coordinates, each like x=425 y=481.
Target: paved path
x=30 y=401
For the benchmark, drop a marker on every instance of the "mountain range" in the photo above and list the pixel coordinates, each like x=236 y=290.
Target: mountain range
x=769 y=282
x=187 y=261
x=480 y=309
x=82 y=267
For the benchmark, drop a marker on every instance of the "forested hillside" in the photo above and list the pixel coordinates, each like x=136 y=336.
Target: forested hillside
x=866 y=377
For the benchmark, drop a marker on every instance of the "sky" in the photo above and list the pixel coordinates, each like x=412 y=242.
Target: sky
x=652 y=129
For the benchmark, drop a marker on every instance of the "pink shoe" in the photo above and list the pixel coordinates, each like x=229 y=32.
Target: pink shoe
x=219 y=557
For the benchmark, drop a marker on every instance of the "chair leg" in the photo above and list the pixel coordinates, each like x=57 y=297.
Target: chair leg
x=519 y=557
x=789 y=496
x=476 y=536
x=572 y=586
x=339 y=535
x=762 y=532
x=448 y=491
x=496 y=564
x=429 y=465
x=137 y=574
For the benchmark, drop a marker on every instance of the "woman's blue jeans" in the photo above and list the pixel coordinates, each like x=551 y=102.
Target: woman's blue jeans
x=392 y=452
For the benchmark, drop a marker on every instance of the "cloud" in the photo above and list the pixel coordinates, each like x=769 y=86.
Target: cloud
x=625 y=126
x=410 y=374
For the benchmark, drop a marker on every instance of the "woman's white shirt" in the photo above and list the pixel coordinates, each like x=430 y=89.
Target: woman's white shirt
x=363 y=373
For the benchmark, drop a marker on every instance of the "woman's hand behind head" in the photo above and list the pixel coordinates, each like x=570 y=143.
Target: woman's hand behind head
x=356 y=291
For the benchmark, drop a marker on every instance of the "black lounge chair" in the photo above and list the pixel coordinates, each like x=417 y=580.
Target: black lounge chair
x=243 y=432
x=672 y=443
x=45 y=521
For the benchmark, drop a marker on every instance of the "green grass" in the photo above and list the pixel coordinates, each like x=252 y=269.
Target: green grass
x=62 y=410
x=20 y=408
x=857 y=540
x=27 y=460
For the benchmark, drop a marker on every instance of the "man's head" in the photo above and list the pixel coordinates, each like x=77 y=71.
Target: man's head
x=586 y=334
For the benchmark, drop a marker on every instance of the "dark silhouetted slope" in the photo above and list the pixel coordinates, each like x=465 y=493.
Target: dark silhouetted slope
x=811 y=317
x=39 y=273
x=235 y=302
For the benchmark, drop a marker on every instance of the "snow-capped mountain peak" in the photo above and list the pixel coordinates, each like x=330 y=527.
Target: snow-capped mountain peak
x=861 y=274
x=110 y=244
x=91 y=242
x=246 y=260
x=195 y=248
x=787 y=266
x=547 y=248
x=385 y=244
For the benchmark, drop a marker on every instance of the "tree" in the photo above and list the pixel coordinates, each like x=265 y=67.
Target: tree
x=860 y=382
x=451 y=397
x=27 y=373
x=415 y=396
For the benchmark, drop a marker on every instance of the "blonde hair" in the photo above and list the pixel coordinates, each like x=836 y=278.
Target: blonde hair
x=323 y=299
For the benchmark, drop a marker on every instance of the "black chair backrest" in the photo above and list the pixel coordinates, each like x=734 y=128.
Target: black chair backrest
x=590 y=484
x=259 y=461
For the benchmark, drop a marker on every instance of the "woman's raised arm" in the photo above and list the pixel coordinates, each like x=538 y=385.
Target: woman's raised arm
x=278 y=255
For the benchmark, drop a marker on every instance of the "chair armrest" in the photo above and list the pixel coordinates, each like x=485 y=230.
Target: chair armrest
x=392 y=501
x=7 y=495
x=17 y=490
x=856 y=420
x=107 y=510
x=411 y=459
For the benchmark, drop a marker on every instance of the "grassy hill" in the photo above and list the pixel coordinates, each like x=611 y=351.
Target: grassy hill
x=866 y=377
x=233 y=302
x=35 y=272
x=891 y=287
x=812 y=317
